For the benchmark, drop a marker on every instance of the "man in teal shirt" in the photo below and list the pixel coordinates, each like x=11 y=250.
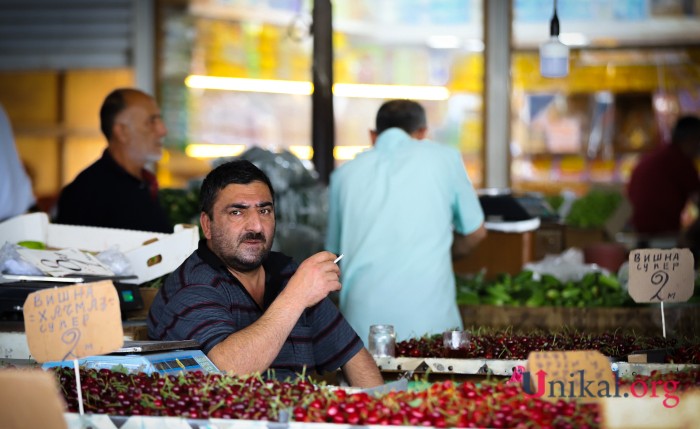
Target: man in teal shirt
x=399 y=213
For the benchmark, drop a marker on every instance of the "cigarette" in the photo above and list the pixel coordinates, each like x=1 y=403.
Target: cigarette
x=338 y=259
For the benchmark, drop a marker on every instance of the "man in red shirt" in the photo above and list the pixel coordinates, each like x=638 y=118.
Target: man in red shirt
x=665 y=180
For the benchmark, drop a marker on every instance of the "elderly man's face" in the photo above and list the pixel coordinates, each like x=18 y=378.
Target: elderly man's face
x=144 y=128
x=242 y=226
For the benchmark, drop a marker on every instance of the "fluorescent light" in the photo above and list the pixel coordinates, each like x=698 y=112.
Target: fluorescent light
x=443 y=42
x=345 y=153
x=302 y=152
x=214 y=150
x=250 y=85
x=574 y=39
x=414 y=92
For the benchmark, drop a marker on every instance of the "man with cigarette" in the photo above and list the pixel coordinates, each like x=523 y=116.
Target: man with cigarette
x=252 y=309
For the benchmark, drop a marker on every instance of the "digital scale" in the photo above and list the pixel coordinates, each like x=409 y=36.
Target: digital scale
x=164 y=357
x=14 y=290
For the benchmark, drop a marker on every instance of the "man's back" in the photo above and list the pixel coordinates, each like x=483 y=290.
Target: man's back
x=659 y=189
x=391 y=213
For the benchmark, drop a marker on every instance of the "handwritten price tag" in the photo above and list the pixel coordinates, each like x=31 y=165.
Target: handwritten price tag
x=582 y=374
x=72 y=322
x=657 y=275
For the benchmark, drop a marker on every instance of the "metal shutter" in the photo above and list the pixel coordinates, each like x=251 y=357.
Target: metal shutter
x=66 y=34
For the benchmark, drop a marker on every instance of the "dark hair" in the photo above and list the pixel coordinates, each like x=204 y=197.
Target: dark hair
x=114 y=103
x=686 y=128
x=240 y=171
x=405 y=114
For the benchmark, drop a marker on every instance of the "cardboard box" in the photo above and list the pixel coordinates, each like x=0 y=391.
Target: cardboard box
x=151 y=254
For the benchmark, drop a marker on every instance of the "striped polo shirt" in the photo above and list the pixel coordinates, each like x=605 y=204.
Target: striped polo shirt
x=202 y=300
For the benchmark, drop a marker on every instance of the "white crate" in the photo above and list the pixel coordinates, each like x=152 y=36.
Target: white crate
x=151 y=254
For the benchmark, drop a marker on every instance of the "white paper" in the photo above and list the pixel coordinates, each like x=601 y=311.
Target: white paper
x=65 y=262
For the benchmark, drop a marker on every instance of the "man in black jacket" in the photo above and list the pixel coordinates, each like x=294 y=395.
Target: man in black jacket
x=117 y=191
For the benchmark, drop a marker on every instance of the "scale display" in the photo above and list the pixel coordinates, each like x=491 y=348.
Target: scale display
x=164 y=363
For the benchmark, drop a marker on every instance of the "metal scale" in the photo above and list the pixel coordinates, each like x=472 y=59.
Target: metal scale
x=164 y=357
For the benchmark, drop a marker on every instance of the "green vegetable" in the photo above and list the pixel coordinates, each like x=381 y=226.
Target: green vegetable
x=33 y=245
x=593 y=209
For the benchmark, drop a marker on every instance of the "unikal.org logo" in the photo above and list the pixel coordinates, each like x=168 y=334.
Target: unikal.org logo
x=577 y=386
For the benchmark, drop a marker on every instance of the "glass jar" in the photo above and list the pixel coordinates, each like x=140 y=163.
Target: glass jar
x=456 y=343
x=382 y=341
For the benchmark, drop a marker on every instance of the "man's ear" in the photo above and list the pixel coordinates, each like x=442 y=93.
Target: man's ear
x=205 y=222
x=119 y=131
x=420 y=133
x=373 y=136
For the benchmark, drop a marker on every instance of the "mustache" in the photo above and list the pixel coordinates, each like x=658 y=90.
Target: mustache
x=253 y=236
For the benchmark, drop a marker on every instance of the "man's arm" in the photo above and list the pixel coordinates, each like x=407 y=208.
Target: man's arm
x=254 y=348
x=462 y=245
x=361 y=370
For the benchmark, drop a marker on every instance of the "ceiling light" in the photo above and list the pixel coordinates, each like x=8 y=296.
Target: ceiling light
x=414 y=92
x=443 y=42
x=214 y=150
x=554 y=55
x=250 y=85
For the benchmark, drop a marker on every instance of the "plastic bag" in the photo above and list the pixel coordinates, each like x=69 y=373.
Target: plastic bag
x=12 y=263
x=568 y=265
x=115 y=261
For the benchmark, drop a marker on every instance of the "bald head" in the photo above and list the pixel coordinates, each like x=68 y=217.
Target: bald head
x=115 y=103
x=132 y=122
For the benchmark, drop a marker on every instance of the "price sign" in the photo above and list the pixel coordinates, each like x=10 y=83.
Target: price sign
x=585 y=375
x=30 y=399
x=72 y=322
x=661 y=275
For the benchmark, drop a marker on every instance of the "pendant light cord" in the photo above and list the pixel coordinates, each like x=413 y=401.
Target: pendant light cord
x=554 y=23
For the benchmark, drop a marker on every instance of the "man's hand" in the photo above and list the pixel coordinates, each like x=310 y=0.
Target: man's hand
x=315 y=278
x=462 y=245
x=254 y=348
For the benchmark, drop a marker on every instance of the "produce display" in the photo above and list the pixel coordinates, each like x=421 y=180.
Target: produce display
x=593 y=290
x=181 y=205
x=195 y=395
x=504 y=344
x=593 y=209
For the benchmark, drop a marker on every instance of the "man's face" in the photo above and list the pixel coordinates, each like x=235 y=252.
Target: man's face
x=144 y=128
x=242 y=226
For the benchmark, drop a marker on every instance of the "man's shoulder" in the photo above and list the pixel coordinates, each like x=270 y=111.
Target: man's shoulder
x=193 y=270
x=91 y=177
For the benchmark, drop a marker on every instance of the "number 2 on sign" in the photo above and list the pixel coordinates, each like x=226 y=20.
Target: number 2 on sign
x=660 y=278
x=71 y=337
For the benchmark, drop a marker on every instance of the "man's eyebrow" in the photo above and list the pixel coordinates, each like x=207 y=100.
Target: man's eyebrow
x=245 y=206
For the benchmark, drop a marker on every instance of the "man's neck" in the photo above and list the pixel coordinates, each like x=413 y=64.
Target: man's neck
x=253 y=282
x=131 y=167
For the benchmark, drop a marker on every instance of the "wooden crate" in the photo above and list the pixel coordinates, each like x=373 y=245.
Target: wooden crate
x=500 y=252
x=681 y=319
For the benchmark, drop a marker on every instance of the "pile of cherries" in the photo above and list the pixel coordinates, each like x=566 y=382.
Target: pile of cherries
x=196 y=395
x=509 y=345
x=188 y=394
